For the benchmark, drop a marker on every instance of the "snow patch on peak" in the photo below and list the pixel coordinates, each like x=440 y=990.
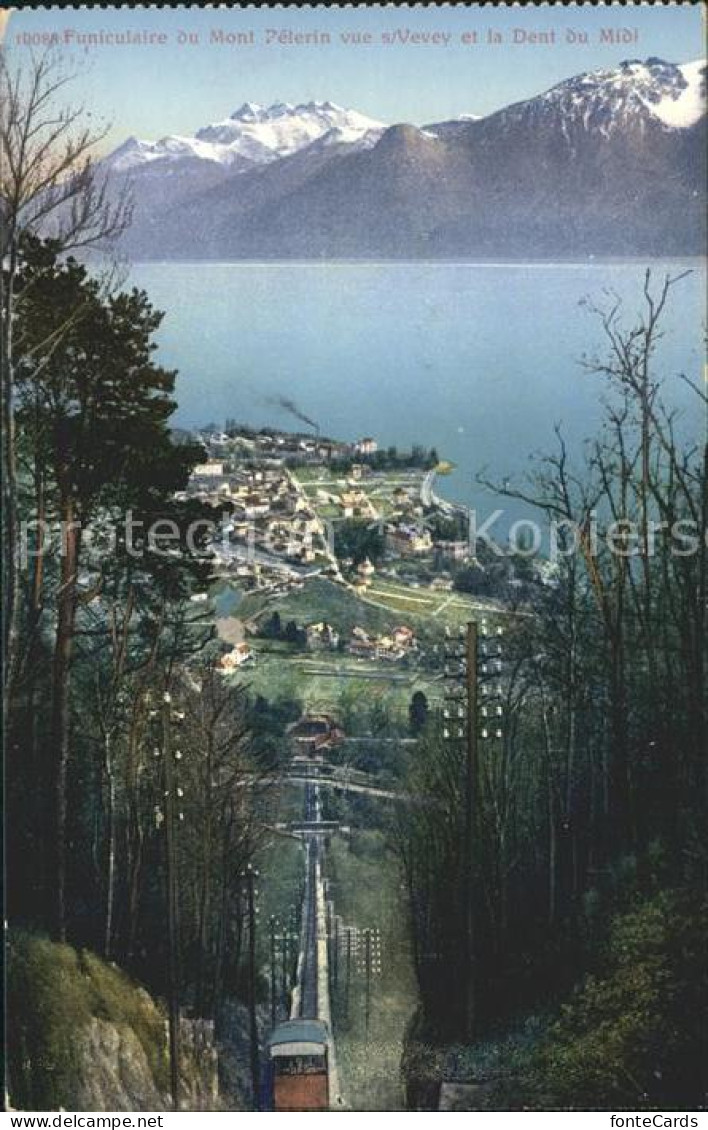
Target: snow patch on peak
x=673 y=94
x=248 y=112
x=279 y=110
x=354 y=139
x=254 y=134
x=612 y=99
x=263 y=134
x=682 y=108
x=131 y=153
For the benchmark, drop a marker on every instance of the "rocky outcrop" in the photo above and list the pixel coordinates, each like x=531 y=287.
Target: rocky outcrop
x=113 y=1070
x=83 y=1035
x=115 y=1073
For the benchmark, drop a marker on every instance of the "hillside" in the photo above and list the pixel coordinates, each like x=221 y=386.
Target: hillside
x=82 y=1035
x=629 y=1033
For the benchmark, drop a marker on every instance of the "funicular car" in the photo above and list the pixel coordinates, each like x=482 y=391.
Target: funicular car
x=298 y=1066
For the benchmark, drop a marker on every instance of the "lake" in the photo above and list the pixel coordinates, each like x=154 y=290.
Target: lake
x=476 y=359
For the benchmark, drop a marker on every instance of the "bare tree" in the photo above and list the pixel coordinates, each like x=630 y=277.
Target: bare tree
x=602 y=760
x=226 y=785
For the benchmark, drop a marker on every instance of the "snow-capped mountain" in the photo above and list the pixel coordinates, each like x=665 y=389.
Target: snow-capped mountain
x=675 y=95
x=610 y=100
x=254 y=134
x=611 y=162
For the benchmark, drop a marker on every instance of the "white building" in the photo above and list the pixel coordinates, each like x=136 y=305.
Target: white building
x=213 y=468
x=366 y=446
x=236 y=658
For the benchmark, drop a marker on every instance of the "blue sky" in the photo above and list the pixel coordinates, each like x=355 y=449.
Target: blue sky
x=150 y=91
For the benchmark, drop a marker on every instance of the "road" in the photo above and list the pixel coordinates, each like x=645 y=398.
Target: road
x=366 y=739
x=428 y=497
x=426 y=490
x=335 y=671
x=240 y=551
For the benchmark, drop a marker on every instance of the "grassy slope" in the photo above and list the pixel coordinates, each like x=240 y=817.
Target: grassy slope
x=321 y=685
x=365 y=887
x=321 y=599
x=388 y=604
x=281 y=862
x=283 y=673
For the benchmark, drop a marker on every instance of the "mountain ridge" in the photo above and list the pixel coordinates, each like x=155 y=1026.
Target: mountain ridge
x=605 y=162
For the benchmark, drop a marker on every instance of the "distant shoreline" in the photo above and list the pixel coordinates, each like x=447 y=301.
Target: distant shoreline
x=596 y=261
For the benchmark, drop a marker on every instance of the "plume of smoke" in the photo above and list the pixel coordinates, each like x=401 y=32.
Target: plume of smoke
x=290 y=406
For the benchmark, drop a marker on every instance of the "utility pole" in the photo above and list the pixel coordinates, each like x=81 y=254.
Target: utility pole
x=372 y=967
x=273 y=972
x=285 y=955
x=250 y=878
x=335 y=953
x=329 y=916
x=462 y=718
x=367 y=967
x=170 y=791
x=293 y=922
x=349 y=967
x=470 y=808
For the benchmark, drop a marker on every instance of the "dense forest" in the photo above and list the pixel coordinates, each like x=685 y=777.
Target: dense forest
x=124 y=752
x=588 y=849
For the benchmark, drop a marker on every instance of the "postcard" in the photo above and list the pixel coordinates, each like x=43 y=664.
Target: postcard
x=355 y=560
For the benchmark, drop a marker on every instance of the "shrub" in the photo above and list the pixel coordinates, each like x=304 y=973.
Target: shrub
x=635 y=1034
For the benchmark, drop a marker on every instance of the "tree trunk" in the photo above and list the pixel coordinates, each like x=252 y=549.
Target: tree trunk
x=217 y=980
x=60 y=735
x=11 y=563
x=135 y=875
x=111 y=860
x=552 y=851
x=34 y=819
x=204 y=894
